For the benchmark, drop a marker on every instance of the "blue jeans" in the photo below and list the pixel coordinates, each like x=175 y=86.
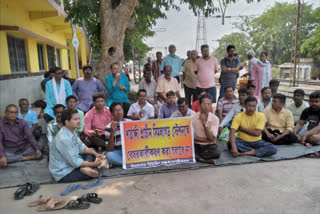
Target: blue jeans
x=212 y=91
x=262 y=148
x=76 y=175
x=114 y=157
x=222 y=86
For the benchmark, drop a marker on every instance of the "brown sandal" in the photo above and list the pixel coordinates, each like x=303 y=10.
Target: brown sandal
x=42 y=200
x=53 y=203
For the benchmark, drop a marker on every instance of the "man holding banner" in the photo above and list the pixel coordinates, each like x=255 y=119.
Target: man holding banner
x=113 y=135
x=205 y=125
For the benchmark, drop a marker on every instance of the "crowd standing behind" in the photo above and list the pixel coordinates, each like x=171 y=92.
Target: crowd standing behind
x=83 y=129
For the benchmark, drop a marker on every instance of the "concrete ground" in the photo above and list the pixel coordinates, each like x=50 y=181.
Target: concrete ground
x=274 y=187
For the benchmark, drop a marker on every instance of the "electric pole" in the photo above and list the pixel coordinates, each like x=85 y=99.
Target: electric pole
x=201 y=32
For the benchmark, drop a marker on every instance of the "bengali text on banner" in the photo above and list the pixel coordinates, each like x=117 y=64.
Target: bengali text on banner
x=153 y=143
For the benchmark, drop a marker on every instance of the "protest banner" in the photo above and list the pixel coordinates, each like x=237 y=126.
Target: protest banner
x=153 y=143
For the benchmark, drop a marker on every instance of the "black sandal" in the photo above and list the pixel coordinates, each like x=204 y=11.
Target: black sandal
x=78 y=204
x=91 y=197
x=25 y=190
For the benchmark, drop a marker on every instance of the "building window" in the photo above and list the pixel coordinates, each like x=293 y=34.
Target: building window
x=58 y=57
x=51 y=57
x=17 y=54
x=40 y=57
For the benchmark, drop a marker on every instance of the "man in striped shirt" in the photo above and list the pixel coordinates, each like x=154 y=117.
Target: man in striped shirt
x=113 y=135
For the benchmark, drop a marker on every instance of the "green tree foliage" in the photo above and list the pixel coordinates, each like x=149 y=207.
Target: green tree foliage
x=86 y=13
x=311 y=46
x=273 y=31
x=239 y=40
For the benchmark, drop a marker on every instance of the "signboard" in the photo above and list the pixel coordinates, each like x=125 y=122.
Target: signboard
x=153 y=143
x=75 y=42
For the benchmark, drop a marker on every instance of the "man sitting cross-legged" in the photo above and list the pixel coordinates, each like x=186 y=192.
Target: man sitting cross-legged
x=113 y=135
x=298 y=105
x=205 y=126
x=279 y=126
x=249 y=125
x=311 y=115
x=236 y=109
x=142 y=104
x=30 y=116
x=95 y=122
x=168 y=108
x=70 y=159
x=55 y=125
x=226 y=103
x=16 y=140
x=183 y=109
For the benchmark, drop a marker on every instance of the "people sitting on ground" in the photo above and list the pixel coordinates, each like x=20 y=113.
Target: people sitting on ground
x=118 y=87
x=298 y=105
x=311 y=135
x=95 y=122
x=16 y=140
x=54 y=126
x=57 y=90
x=150 y=85
x=70 y=159
x=190 y=78
x=113 y=135
x=205 y=125
x=206 y=67
x=274 y=85
x=168 y=108
x=174 y=62
x=85 y=87
x=72 y=104
x=183 y=109
x=251 y=90
x=47 y=76
x=226 y=103
x=168 y=83
x=196 y=104
x=279 y=126
x=30 y=116
x=236 y=109
x=265 y=101
x=141 y=109
x=249 y=125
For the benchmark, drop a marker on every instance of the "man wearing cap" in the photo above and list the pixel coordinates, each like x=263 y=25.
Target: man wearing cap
x=174 y=61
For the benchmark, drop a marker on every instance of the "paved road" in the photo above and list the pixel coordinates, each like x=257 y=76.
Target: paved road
x=286 y=187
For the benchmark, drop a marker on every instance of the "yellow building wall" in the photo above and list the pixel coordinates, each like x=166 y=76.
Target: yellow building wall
x=4 y=56
x=14 y=13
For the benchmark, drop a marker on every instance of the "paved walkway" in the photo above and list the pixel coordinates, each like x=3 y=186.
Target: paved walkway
x=291 y=187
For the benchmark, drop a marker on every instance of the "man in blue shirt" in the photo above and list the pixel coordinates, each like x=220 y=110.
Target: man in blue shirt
x=29 y=116
x=70 y=159
x=118 y=87
x=174 y=61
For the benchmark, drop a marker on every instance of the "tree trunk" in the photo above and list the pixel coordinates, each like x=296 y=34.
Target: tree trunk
x=115 y=18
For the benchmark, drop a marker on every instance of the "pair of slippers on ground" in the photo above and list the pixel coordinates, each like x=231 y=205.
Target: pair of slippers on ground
x=55 y=203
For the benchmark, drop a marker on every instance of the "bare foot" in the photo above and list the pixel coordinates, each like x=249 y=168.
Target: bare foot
x=30 y=157
x=90 y=172
x=314 y=155
x=211 y=161
x=308 y=145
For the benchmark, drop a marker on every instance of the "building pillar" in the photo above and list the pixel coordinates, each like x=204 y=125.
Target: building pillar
x=4 y=53
x=32 y=55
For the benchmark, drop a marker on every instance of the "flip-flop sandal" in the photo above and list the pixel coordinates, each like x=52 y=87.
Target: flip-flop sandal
x=42 y=200
x=20 y=193
x=91 y=197
x=91 y=184
x=71 y=188
x=31 y=188
x=54 y=203
x=77 y=205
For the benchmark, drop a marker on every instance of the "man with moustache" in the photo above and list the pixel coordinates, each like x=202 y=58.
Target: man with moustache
x=85 y=87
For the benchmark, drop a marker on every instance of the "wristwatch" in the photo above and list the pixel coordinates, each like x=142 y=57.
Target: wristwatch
x=229 y=69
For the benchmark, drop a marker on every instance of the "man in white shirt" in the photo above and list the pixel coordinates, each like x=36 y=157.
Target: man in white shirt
x=298 y=104
x=184 y=110
x=136 y=110
x=265 y=101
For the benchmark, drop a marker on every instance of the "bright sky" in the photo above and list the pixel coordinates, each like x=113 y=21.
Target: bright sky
x=181 y=27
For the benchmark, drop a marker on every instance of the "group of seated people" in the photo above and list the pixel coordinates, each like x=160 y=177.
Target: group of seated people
x=82 y=132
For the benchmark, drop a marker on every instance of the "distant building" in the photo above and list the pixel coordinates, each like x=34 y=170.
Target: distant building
x=307 y=69
x=33 y=38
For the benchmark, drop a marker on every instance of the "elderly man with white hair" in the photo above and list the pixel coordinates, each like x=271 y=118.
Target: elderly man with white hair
x=252 y=61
